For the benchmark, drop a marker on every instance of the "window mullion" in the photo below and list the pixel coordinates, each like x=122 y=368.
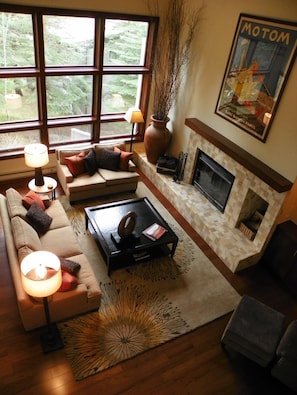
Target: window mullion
x=41 y=83
x=119 y=76
x=97 y=84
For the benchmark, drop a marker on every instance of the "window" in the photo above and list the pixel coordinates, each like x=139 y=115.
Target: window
x=70 y=76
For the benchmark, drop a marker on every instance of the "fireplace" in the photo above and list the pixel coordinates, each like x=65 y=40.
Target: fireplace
x=257 y=192
x=212 y=180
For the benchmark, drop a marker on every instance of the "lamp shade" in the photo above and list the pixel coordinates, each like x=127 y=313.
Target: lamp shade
x=36 y=155
x=134 y=115
x=41 y=274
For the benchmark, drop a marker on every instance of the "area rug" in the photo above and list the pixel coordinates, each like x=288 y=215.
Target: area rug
x=145 y=305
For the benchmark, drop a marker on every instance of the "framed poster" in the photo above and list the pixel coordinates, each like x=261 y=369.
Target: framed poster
x=261 y=57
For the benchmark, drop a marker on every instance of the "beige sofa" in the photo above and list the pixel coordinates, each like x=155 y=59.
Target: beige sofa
x=103 y=182
x=21 y=239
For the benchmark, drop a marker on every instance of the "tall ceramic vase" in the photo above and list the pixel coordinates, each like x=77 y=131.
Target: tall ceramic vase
x=156 y=139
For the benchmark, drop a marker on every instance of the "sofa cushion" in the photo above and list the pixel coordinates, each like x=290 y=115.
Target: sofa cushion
x=84 y=182
x=99 y=148
x=39 y=219
x=58 y=214
x=124 y=158
x=122 y=177
x=32 y=197
x=24 y=234
x=14 y=203
x=23 y=252
x=90 y=162
x=109 y=160
x=61 y=242
x=286 y=358
x=76 y=164
x=288 y=344
x=110 y=145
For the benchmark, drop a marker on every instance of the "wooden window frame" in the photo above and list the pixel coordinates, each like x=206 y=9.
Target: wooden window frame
x=98 y=70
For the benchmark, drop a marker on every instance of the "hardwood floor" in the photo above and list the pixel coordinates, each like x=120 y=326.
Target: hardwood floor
x=191 y=364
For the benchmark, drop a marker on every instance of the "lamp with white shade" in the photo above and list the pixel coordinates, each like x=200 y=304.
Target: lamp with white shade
x=42 y=277
x=36 y=155
x=133 y=115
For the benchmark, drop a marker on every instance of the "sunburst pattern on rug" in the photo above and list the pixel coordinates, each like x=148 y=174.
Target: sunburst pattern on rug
x=131 y=320
x=143 y=305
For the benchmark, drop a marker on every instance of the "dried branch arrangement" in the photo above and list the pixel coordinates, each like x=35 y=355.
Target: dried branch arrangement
x=178 y=26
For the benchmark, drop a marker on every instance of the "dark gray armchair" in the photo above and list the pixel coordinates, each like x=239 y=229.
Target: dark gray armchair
x=258 y=332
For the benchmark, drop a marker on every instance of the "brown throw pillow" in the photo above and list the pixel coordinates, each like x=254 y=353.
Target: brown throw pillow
x=124 y=158
x=38 y=219
x=32 y=197
x=69 y=266
x=90 y=162
x=109 y=160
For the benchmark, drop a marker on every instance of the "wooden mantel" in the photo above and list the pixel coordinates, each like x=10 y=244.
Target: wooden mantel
x=264 y=172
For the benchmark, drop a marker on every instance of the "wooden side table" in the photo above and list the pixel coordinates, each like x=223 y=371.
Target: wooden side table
x=50 y=185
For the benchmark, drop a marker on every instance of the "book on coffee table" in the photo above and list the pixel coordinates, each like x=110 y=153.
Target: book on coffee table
x=154 y=231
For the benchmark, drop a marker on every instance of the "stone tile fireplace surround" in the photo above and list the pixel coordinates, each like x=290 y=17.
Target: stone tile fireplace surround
x=221 y=230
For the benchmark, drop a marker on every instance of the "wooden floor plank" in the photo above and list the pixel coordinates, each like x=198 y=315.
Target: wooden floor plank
x=191 y=364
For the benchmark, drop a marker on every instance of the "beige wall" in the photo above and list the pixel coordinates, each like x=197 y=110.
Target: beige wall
x=201 y=86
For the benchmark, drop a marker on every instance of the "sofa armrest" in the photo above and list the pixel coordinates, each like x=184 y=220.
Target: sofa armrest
x=22 y=297
x=64 y=176
x=131 y=166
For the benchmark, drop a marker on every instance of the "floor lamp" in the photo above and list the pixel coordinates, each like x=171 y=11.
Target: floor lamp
x=41 y=278
x=133 y=115
x=36 y=155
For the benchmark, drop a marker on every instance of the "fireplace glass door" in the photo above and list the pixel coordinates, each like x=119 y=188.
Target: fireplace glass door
x=212 y=180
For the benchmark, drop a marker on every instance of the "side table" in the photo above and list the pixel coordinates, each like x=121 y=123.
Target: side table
x=50 y=185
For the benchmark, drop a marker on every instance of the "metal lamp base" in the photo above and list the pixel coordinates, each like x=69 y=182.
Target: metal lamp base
x=51 y=339
x=39 y=181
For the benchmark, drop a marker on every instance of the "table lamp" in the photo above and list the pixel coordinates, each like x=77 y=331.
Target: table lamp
x=42 y=277
x=133 y=115
x=36 y=156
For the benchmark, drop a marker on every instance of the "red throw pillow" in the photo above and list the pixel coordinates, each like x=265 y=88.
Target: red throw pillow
x=124 y=159
x=69 y=282
x=32 y=197
x=76 y=164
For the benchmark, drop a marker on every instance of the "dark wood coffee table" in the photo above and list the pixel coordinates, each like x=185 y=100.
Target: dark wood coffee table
x=102 y=221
